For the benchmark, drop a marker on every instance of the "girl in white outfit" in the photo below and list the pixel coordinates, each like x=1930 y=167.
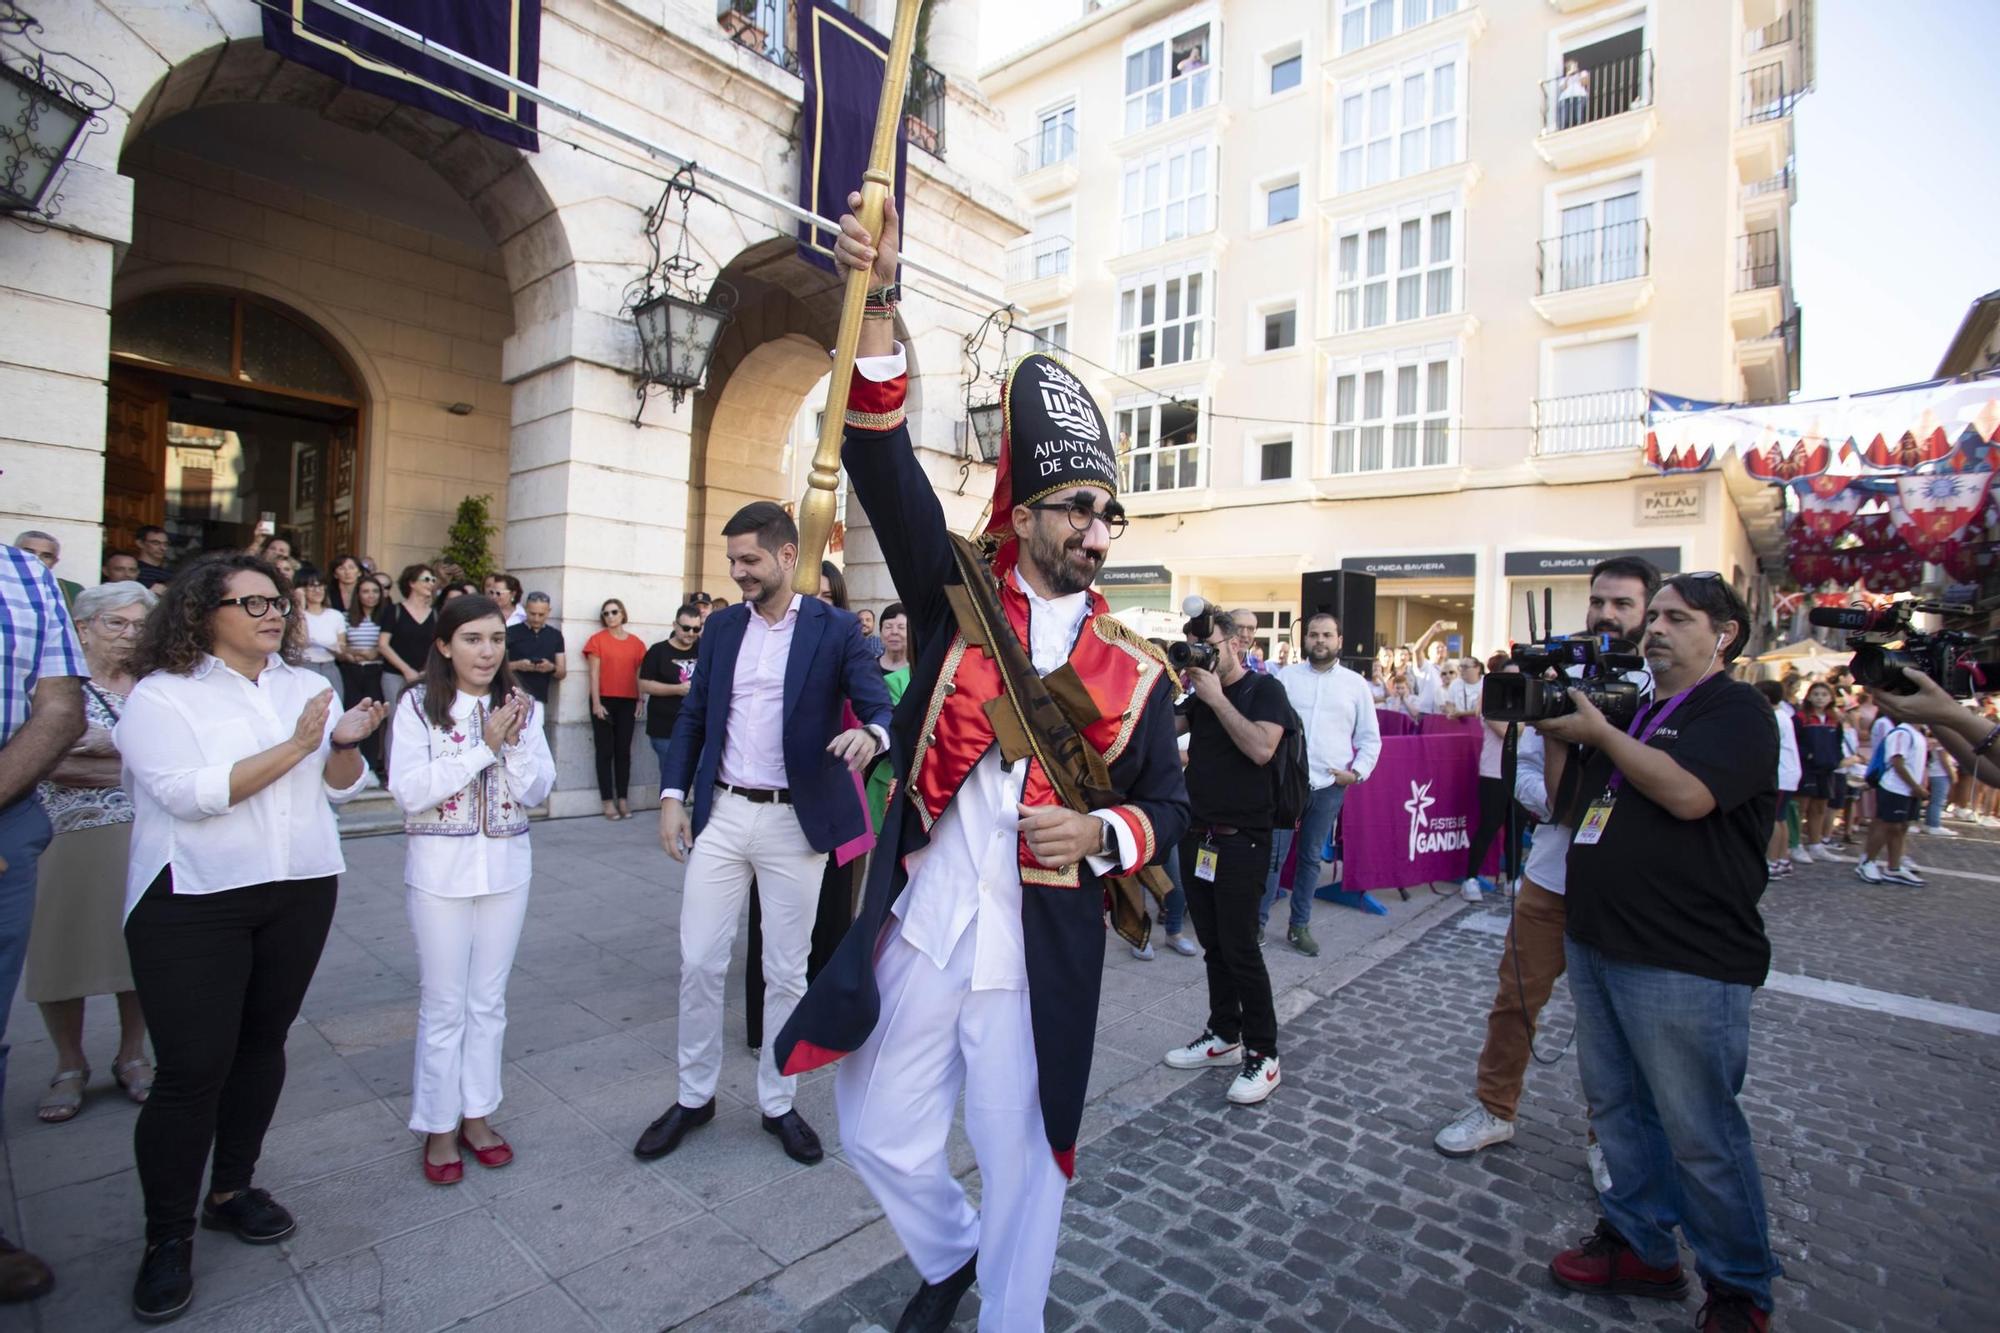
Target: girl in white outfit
x=469 y=760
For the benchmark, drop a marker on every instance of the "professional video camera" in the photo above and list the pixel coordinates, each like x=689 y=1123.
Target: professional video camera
x=1593 y=663
x=1944 y=655
x=1201 y=624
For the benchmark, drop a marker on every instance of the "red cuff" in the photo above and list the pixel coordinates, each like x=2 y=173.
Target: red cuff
x=1142 y=835
x=876 y=404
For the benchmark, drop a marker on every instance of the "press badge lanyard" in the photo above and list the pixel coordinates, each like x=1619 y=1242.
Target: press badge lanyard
x=1599 y=813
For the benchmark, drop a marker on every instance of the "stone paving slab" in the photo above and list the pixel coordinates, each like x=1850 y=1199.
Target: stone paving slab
x=1327 y=1207
x=725 y=1234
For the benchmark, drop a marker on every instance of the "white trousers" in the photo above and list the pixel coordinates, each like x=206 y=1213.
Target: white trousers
x=465 y=949
x=742 y=840
x=896 y=1096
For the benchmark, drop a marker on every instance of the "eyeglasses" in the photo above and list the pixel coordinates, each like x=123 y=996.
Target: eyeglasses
x=257 y=607
x=688 y=629
x=426 y=578
x=1703 y=574
x=1082 y=514
x=115 y=627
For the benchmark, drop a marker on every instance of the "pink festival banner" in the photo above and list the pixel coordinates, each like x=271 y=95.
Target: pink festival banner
x=1412 y=821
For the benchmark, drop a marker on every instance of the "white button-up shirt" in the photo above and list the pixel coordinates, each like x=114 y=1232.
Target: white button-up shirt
x=753 y=746
x=458 y=867
x=179 y=738
x=1427 y=687
x=971 y=867
x=1338 y=710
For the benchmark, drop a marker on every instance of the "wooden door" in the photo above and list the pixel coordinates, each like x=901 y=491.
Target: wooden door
x=339 y=509
x=135 y=459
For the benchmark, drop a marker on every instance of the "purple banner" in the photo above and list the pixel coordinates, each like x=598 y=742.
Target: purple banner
x=841 y=61
x=501 y=34
x=1394 y=723
x=1437 y=724
x=1412 y=821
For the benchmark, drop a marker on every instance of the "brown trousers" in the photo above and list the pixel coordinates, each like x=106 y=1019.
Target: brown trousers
x=1535 y=941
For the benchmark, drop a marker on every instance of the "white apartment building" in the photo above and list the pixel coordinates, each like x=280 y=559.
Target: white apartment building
x=1384 y=284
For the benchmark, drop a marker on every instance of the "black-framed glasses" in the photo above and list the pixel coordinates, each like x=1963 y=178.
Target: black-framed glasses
x=688 y=629
x=1082 y=514
x=257 y=606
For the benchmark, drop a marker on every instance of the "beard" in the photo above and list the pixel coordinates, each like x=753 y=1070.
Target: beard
x=1613 y=628
x=1064 y=564
x=1319 y=654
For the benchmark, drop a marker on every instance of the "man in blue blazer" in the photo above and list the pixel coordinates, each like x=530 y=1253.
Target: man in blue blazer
x=760 y=749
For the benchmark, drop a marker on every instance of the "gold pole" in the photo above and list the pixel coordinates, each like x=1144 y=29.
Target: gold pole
x=816 y=510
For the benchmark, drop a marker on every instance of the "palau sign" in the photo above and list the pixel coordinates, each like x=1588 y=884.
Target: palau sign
x=1670 y=504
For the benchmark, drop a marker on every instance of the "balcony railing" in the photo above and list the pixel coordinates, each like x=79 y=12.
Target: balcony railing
x=1611 y=253
x=1758 y=263
x=1038 y=257
x=1775 y=33
x=1609 y=89
x=1779 y=182
x=1056 y=143
x=763 y=26
x=1767 y=94
x=923 y=108
x=1173 y=467
x=1588 y=423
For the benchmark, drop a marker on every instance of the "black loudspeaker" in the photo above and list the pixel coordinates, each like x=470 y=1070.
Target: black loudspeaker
x=1350 y=596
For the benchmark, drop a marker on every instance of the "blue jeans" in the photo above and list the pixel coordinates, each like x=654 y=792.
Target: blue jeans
x=1174 y=910
x=24 y=833
x=1662 y=1056
x=660 y=753
x=1940 y=790
x=1314 y=828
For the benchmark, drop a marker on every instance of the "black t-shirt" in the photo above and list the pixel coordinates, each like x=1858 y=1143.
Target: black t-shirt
x=534 y=645
x=1682 y=894
x=412 y=638
x=669 y=666
x=1224 y=785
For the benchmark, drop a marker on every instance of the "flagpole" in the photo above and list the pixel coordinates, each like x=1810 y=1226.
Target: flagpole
x=816 y=510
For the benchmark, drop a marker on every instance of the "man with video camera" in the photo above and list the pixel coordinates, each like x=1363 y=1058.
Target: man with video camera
x=1665 y=949
x=1532 y=960
x=1235 y=720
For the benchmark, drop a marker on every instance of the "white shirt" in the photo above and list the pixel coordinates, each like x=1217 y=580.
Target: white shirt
x=1902 y=739
x=1338 y=712
x=1427 y=687
x=1788 y=748
x=1548 y=858
x=753 y=745
x=518 y=616
x=179 y=738
x=323 y=631
x=1464 y=695
x=464 y=867
x=971 y=867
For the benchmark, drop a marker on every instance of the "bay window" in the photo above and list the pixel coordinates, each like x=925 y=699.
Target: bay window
x=1160 y=446
x=1365 y=22
x=1396 y=269
x=1169 y=78
x=1164 y=317
x=1165 y=195
x=1401 y=123
x=1392 y=414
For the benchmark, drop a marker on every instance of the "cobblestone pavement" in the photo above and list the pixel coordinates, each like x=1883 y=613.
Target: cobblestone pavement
x=575 y=1235
x=1328 y=1208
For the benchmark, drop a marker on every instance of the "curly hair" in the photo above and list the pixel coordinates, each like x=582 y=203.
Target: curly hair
x=177 y=637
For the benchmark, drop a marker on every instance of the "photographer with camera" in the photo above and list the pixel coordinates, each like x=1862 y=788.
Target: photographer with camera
x=1968 y=737
x=1665 y=948
x=1235 y=719
x=1532 y=959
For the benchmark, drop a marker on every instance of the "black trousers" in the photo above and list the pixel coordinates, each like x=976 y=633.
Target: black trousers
x=612 y=737
x=220 y=978
x=1224 y=912
x=830 y=923
x=358 y=681
x=1493 y=801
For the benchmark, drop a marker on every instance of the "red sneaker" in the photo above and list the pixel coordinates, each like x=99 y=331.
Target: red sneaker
x=1604 y=1264
x=1727 y=1311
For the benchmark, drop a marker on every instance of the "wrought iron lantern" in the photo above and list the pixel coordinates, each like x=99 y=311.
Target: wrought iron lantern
x=678 y=323
x=45 y=114
x=988 y=425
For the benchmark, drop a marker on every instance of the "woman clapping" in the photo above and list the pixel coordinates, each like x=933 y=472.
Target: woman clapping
x=470 y=758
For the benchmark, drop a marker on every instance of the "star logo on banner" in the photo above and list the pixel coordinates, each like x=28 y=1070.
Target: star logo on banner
x=1419 y=806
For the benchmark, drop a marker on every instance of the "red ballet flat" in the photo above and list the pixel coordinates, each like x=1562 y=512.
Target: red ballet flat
x=498 y=1155
x=449 y=1174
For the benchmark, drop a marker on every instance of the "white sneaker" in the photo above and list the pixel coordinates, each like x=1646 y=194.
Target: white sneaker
x=1988 y=821
x=1942 y=832
x=1477 y=1128
x=1182 y=945
x=1802 y=856
x=1258 y=1080
x=1204 y=1051
x=1905 y=873
x=1470 y=891
x=1143 y=952
x=1600 y=1173
x=1869 y=871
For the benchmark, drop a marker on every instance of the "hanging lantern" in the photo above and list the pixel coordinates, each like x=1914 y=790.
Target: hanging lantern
x=988 y=426
x=677 y=340
x=41 y=126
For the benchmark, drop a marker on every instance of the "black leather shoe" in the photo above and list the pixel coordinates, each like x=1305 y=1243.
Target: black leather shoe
x=931 y=1309
x=166 y=1281
x=801 y=1144
x=255 y=1217
x=665 y=1134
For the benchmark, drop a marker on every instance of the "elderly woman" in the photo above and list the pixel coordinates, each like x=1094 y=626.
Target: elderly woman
x=75 y=948
x=233 y=750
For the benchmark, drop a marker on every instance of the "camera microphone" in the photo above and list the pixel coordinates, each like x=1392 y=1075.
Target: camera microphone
x=1194 y=606
x=1858 y=619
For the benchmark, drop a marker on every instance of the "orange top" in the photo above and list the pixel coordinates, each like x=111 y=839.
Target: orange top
x=618 y=663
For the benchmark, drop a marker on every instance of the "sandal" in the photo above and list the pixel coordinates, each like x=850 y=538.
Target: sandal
x=140 y=1085
x=57 y=1107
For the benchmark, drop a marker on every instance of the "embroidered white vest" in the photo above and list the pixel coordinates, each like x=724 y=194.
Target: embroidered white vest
x=486 y=805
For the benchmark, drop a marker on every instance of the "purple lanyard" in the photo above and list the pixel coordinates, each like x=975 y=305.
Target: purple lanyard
x=1645 y=733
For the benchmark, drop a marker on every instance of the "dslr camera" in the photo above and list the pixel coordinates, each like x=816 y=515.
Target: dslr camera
x=1887 y=651
x=1200 y=624
x=1593 y=663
